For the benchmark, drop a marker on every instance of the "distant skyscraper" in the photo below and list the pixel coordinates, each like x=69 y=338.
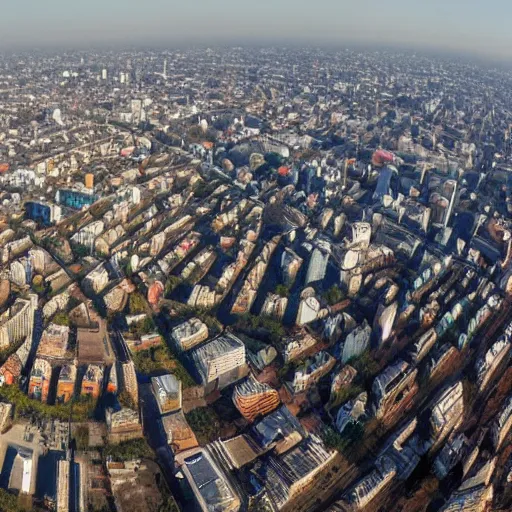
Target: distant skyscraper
x=164 y=74
x=104 y=74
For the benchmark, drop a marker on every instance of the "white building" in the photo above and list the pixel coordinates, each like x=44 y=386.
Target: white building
x=218 y=357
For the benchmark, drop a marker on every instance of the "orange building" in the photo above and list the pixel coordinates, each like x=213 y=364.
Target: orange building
x=92 y=381
x=66 y=383
x=10 y=370
x=89 y=180
x=39 y=382
x=254 y=399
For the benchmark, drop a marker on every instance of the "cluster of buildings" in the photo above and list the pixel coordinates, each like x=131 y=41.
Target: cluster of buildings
x=314 y=248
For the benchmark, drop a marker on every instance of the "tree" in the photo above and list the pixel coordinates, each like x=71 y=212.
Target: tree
x=365 y=365
x=333 y=295
x=80 y=408
x=282 y=290
x=128 y=450
x=80 y=250
x=126 y=400
x=344 y=395
x=272 y=329
x=8 y=502
x=274 y=159
x=82 y=437
x=137 y=304
x=61 y=318
x=172 y=283
x=205 y=424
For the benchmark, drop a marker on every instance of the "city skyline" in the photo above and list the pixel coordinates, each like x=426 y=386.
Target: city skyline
x=450 y=27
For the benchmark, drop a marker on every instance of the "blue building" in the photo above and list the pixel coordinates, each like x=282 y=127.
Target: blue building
x=42 y=213
x=74 y=198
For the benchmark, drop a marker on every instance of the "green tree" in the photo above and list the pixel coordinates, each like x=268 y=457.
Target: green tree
x=282 y=290
x=126 y=400
x=61 y=318
x=8 y=502
x=137 y=304
x=333 y=295
x=80 y=408
x=365 y=365
x=172 y=283
x=344 y=395
x=81 y=436
x=81 y=251
x=128 y=450
x=205 y=424
x=272 y=329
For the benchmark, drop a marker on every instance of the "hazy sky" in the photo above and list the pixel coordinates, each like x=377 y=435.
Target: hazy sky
x=476 y=26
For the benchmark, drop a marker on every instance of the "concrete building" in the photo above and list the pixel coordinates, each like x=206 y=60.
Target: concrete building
x=189 y=334
x=297 y=345
x=92 y=382
x=210 y=487
x=145 y=342
x=274 y=306
x=94 y=344
x=123 y=425
x=219 y=357
x=393 y=388
x=63 y=481
x=291 y=475
x=15 y=248
x=43 y=213
x=254 y=399
x=21 y=474
x=502 y=424
x=448 y=412
x=54 y=342
x=39 y=383
x=312 y=370
x=5 y=416
x=11 y=370
x=66 y=383
x=17 y=322
x=367 y=489
x=112 y=382
x=180 y=436
x=74 y=199
x=247 y=295
x=167 y=391
x=128 y=379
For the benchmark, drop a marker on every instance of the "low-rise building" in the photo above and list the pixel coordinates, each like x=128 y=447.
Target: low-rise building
x=39 y=383
x=209 y=485
x=63 y=484
x=167 y=391
x=189 y=334
x=144 y=342
x=122 y=425
x=54 y=342
x=180 y=436
x=93 y=381
x=66 y=383
x=312 y=370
